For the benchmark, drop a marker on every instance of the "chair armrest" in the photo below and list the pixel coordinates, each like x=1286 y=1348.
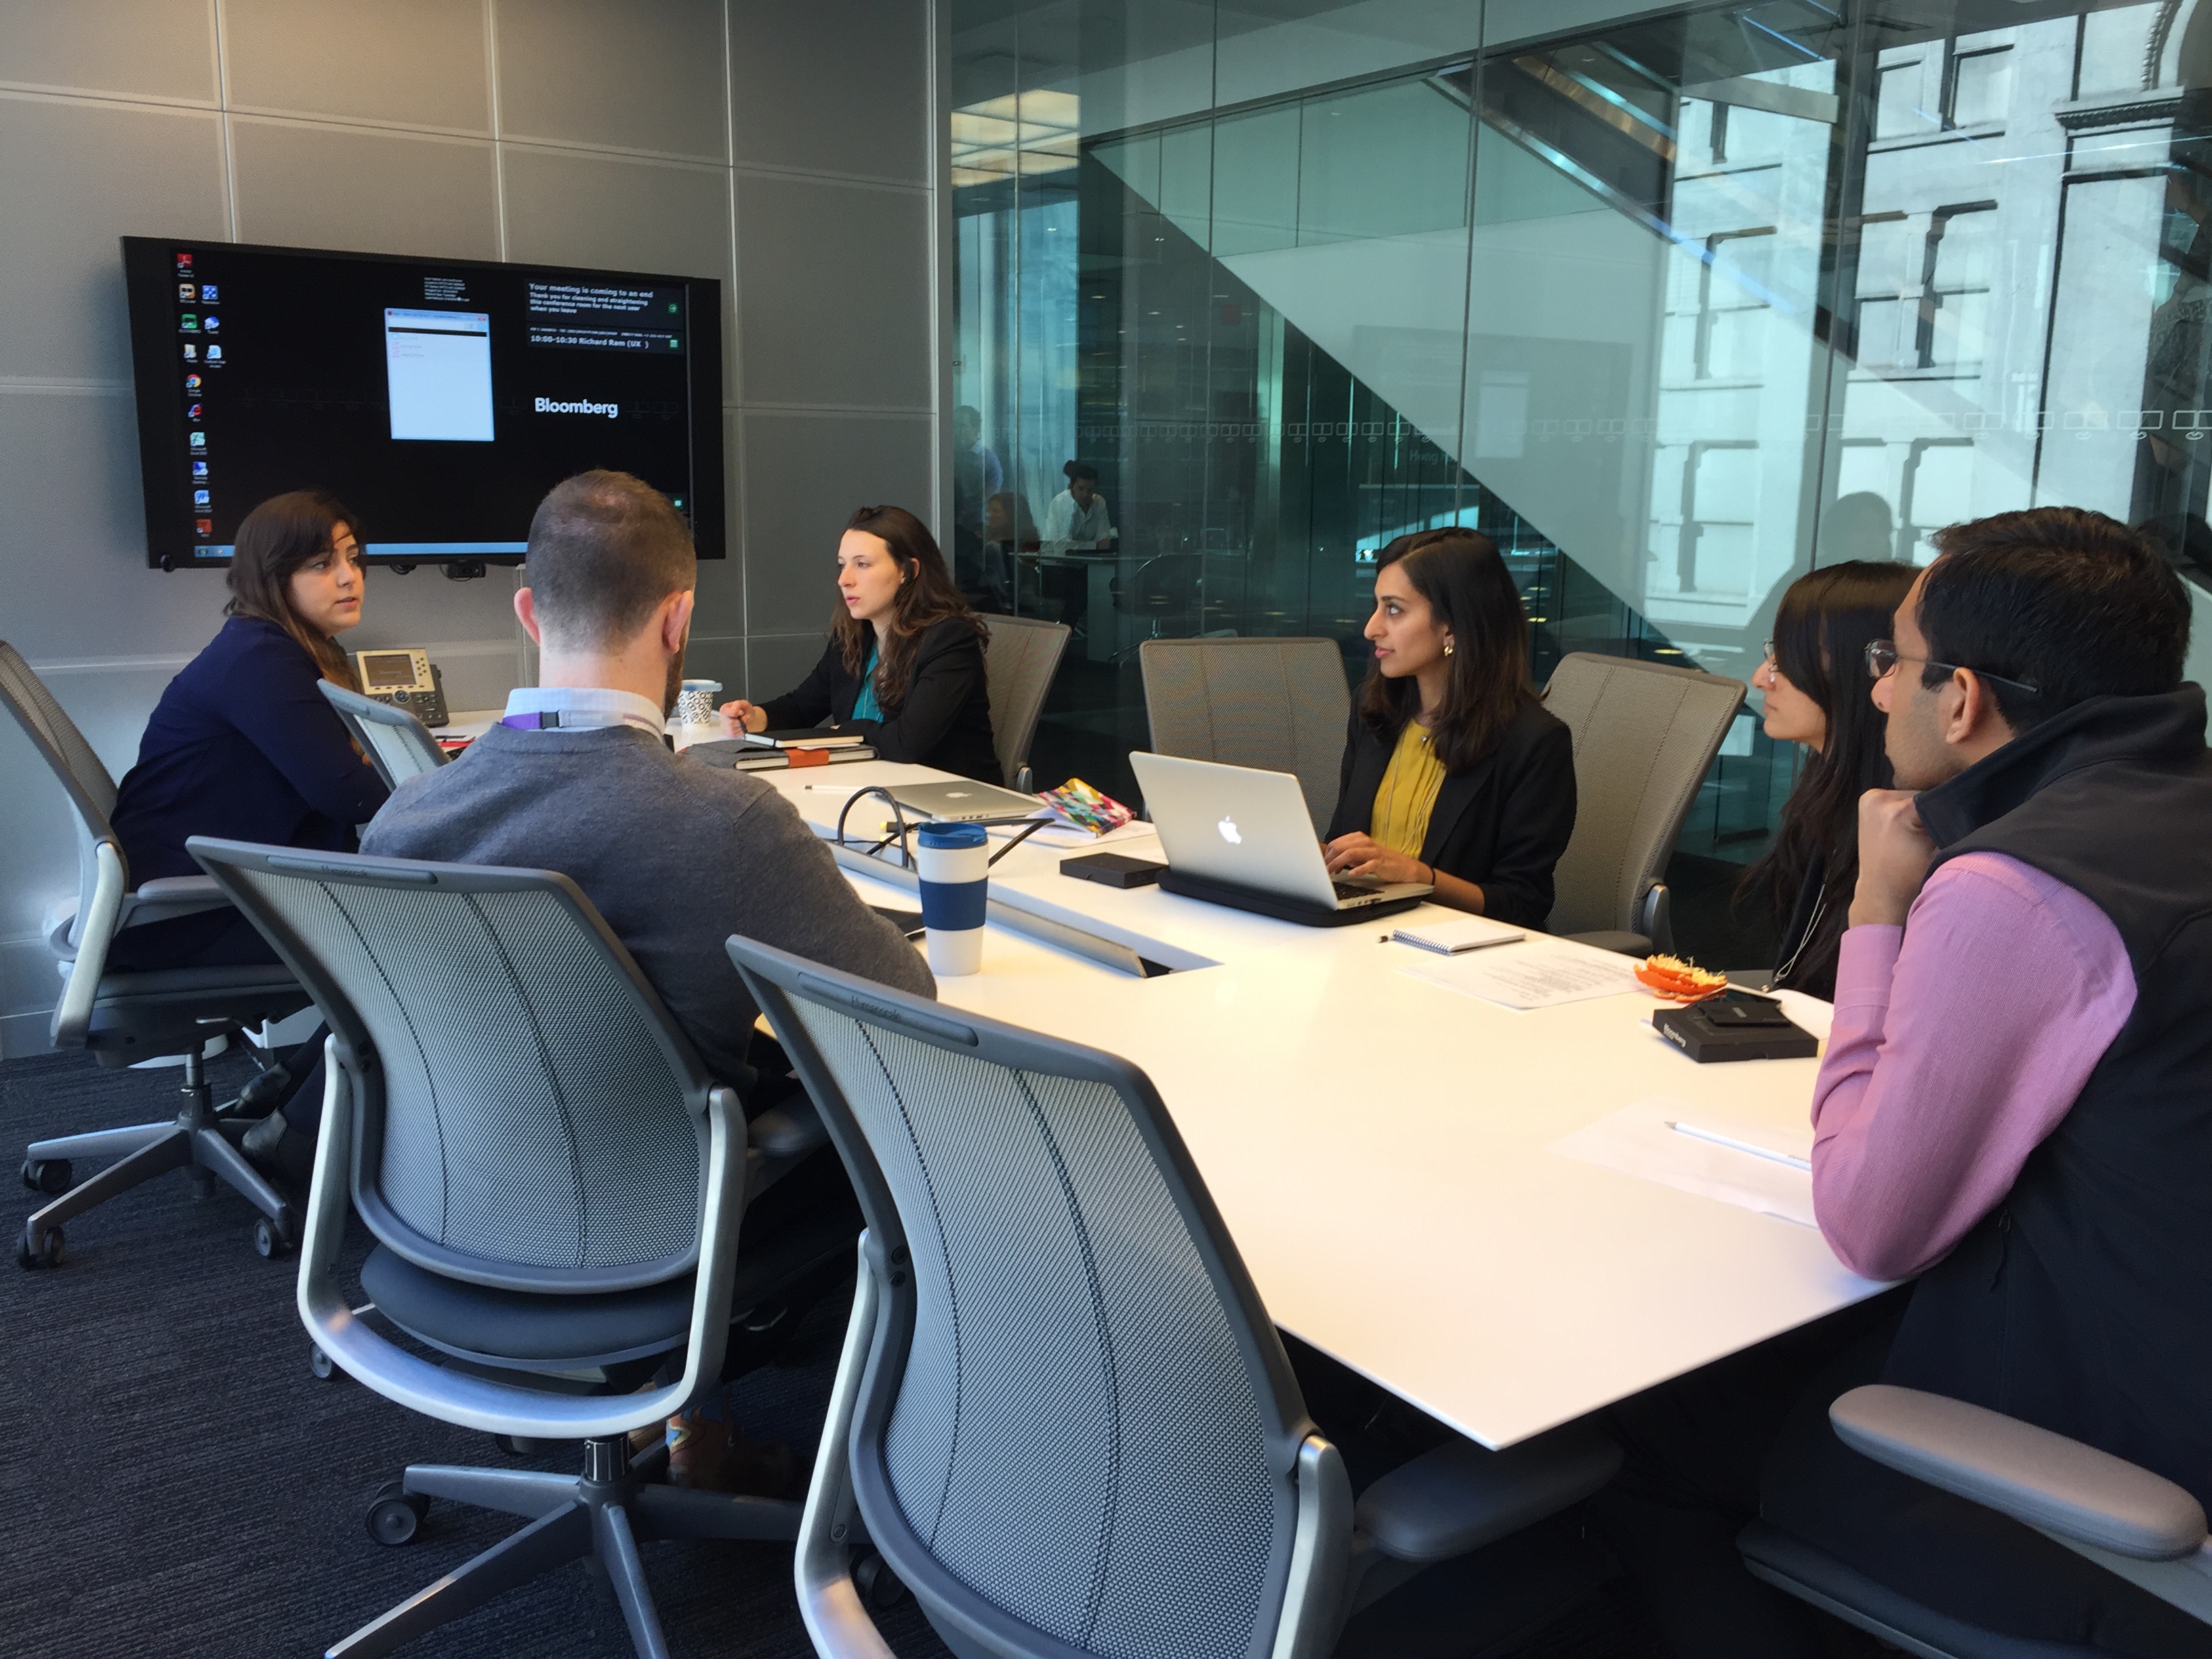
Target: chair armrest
x=1614 y=938
x=2074 y=1491
x=167 y=897
x=784 y=1133
x=1459 y=1497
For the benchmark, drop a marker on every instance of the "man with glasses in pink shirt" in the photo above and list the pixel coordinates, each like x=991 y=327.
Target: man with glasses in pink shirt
x=2015 y=1111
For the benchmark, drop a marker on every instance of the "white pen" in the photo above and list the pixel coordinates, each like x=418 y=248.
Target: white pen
x=1696 y=1133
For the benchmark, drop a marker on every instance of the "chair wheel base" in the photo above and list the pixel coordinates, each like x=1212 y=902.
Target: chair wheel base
x=322 y=1365
x=396 y=1515
x=51 y=1176
x=47 y=1253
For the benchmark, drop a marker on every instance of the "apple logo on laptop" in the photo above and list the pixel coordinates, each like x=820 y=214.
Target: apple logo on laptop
x=959 y=794
x=1229 y=833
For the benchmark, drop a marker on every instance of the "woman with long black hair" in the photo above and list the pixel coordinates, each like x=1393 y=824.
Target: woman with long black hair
x=1813 y=681
x=1453 y=774
x=904 y=667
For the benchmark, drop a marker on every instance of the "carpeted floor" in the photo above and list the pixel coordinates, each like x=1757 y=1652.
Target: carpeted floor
x=179 y=1482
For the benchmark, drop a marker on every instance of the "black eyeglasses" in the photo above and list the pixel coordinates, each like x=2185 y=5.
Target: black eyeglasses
x=1882 y=656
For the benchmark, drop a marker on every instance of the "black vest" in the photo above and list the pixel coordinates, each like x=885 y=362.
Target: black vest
x=2083 y=1302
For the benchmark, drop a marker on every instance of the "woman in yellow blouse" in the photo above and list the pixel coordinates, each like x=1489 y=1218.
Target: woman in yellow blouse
x=1453 y=774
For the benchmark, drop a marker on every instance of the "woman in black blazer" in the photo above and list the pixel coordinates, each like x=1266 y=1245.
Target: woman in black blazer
x=1453 y=774
x=904 y=667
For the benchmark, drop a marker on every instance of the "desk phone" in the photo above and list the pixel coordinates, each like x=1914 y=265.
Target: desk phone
x=405 y=676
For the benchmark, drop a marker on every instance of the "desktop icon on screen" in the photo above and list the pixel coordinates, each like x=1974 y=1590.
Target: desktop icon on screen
x=199 y=441
x=193 y=383
x=207 y=292
x=184 y=264
x=214 y=322
x=201 y=498
x=215 y=354
x=187 y=293
x=191 y=352
x=202 y=527
x=190 y=322
x=193 y=413
x=200 y=469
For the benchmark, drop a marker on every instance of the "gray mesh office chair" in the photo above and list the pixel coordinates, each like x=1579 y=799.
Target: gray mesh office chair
x=555 y=1185
x=1645 y=735
x=125 y=1017
x=398 y=745
x=1018 y=662
x=2135 y=1524
x=1279 y=705
x=1062 y=1413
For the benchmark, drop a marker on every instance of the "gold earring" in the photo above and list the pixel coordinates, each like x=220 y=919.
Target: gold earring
x=1448 y=649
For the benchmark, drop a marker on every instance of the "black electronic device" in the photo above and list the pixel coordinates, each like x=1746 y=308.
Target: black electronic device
x=438 y=398
x=1112 y=870
x=405 y=677
x=1735 y=1025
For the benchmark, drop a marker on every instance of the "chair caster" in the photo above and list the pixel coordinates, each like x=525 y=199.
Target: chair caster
x=322 y=1365
x=396 y=1515
x=48 y=1254
x=50 y=1175
x=272 y=1239
x=880 y=1587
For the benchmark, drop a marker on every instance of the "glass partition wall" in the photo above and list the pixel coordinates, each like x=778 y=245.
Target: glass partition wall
x=1672 y=307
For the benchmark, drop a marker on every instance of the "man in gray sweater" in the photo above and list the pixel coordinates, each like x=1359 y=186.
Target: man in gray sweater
x=676 y=855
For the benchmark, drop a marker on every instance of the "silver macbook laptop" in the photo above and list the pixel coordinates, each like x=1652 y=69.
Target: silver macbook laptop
x=1241 y=828
x=966 y=802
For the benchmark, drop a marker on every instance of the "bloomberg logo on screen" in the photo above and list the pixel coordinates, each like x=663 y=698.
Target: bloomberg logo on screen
x=556 y=406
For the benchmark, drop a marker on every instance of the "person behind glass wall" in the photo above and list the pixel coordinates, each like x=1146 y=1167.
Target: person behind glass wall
x=242 y=745
x=904 y=666
x=1077 y=520
x=1454 y=773
x=976 y=477
x=1814 y=684
x=1009 y=531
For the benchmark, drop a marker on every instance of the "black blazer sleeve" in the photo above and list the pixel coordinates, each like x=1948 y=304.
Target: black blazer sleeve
x=1535 y=819
x=1502 y=823
x=946 y=719
x=811 y=700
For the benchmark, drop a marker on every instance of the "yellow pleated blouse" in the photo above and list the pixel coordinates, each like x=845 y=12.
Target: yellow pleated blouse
x=1408 y=793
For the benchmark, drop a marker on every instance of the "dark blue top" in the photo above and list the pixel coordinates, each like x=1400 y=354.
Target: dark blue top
x=242 y=745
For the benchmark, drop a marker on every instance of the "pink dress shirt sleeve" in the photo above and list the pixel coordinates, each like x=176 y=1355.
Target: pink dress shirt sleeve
x=1960 y=1041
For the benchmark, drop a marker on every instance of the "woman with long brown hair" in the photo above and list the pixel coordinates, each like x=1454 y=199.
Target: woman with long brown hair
x=1453 y=774
x=242 y=745
x=904 y=667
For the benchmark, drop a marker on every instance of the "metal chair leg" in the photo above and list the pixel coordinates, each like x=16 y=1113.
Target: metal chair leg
x=550 y=1541
x=659 y=1512
x=101 y=1143
x=212 y=1151
x=617 y=1552
x=172 y=1151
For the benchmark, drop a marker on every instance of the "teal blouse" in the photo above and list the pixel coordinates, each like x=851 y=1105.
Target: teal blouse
x=865 y=706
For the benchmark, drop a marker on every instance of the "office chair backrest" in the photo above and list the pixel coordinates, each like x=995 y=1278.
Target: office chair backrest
x=1019 y=661
x=1081 y=1425
x=1644 y=736
x=531 y=1117
x=398 y=745
x=1279 y=705
x=75 y=765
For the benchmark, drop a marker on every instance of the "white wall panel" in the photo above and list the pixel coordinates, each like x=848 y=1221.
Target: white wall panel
x=304 y=185
x=619 y=74
x=781 y=57
x=415 y=62
x=74 y=176
x=120 y=48
x=824 y=467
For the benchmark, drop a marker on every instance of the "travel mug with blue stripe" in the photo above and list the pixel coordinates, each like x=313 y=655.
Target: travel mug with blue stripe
x=954 y=864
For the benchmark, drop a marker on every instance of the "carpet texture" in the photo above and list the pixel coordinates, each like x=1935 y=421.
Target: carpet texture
x=180 y=1482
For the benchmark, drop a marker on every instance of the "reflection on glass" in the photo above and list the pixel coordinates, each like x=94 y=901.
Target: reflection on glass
x=1673 y=307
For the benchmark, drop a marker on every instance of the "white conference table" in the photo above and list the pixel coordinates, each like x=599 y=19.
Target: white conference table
x=1377 y=1144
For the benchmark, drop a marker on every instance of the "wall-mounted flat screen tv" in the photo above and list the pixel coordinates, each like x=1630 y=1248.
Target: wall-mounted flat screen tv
x=438 y=398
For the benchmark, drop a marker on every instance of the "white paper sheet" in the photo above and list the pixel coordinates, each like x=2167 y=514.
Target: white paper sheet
x=1528 y=975
x=1069 y=835
x=1636 y=1140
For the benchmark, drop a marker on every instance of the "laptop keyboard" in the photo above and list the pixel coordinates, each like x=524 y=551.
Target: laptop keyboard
x=1346 y=889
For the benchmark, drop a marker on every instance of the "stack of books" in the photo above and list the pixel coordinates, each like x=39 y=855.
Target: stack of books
x=770 y=751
